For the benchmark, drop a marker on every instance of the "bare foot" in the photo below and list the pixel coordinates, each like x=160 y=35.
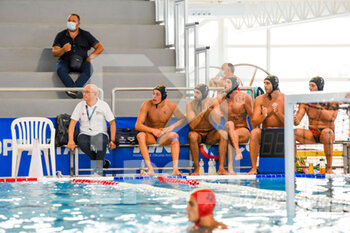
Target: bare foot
x=195 y=173
x=176 y=172
x=222 y=171
x=330 y=171
x=252 y=171
x=231 y=172
x=149 y=173
x=239 y=156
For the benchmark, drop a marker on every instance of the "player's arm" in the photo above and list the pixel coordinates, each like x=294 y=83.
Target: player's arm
x=215 y=113
x=279 y=112
x=142 y=118
x=259 y=113
x=195 y=120
x=192 y=119
x=300 y=114
x=179 y=116
x=248 y=105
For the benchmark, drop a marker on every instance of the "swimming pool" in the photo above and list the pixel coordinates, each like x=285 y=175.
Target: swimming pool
x=151 y=206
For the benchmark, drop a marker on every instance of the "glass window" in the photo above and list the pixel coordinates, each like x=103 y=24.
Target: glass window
x=251 y=37
x=330 y=31
x=309 y=62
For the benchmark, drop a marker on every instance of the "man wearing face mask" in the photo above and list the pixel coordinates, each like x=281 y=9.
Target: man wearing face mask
x=152 y=123
x=227 y=70
x=71 y=46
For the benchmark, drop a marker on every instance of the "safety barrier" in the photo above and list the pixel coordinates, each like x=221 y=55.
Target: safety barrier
x=48 y=89
x=17 y=179
x=89 y=181
x=74 y=162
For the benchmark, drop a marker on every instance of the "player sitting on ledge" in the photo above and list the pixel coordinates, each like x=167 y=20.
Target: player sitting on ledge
x=321 y=122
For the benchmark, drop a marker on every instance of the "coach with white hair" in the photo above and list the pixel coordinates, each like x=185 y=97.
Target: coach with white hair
x=92 y=113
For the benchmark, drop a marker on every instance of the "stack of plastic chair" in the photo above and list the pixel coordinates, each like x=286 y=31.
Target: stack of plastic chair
x=25 y=131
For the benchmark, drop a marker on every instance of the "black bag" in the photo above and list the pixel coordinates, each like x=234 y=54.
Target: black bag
x=126 y=136
x=61 y=126
x=258 y=91
x=75 y=62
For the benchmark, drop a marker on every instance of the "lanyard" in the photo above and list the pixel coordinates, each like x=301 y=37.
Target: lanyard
x=87 y=112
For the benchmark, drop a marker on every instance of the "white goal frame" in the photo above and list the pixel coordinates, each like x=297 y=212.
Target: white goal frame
x=289 y=101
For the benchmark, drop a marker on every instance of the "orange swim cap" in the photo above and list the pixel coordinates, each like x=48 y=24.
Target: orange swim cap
x=206 y=201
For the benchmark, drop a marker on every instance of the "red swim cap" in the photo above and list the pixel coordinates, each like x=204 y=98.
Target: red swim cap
x=206 y=201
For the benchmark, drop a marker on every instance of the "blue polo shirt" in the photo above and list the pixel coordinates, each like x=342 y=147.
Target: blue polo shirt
x=81 y=44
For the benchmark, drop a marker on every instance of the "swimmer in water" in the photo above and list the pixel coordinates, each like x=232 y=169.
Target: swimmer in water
x=200 y=208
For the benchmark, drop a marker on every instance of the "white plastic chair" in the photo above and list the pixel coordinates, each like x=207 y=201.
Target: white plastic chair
x=24 y=130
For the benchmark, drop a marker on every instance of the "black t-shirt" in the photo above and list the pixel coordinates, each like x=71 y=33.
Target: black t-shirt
x=80 y=45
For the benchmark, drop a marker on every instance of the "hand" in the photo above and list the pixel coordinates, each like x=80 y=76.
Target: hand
x=71 y=145
x=112 y=145
x=275 y=107
x=67 y=47
x=167 y=130
x=221 y=97
x=264 y=111
x=156 y=132
x=296 y=121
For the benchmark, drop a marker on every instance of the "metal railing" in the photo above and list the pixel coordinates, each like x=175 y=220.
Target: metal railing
x=47 y=89
x=189 y=26
x=182 y=52
x=198 y=51
x=137 y=89
x=177 y=31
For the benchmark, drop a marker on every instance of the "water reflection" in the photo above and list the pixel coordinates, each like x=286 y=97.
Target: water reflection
x=72 y=207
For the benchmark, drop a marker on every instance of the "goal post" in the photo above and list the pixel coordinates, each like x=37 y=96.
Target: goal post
x=289 y=102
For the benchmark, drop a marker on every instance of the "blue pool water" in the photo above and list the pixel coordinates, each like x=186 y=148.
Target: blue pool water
x=64 y=206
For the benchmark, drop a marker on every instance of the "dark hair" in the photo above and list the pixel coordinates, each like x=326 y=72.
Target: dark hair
x=76 y=16
x=231 y=67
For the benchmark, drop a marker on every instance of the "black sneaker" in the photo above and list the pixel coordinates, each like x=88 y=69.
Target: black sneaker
x=106 y=163
x=75 y=94
x=97 y=172
x=79 y=95
x=72 y=94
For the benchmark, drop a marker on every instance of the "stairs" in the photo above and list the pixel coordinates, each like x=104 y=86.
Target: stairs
x=134 y=56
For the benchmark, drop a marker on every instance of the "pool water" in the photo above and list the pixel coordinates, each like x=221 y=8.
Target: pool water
x=150 y=206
